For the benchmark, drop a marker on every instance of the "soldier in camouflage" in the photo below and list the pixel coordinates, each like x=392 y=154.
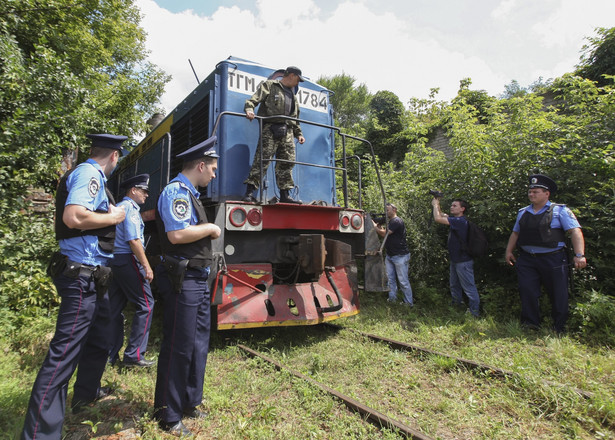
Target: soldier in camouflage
x=276 y=97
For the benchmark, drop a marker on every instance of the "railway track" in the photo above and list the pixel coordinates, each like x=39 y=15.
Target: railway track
x=372 y=415
x=376 y=417
x=469 y=364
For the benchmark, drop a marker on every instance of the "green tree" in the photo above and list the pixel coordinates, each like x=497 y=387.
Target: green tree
x=598 y=57
x=386 y=126
x=350 y=102
x=68 y=68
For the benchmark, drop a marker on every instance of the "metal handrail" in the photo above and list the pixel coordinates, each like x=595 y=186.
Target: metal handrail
x=263 y=119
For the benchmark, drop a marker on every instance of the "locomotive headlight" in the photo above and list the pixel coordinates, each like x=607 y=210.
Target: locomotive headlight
x=351 y=222
x=255 y=217
x=238 y=216
x=356 y=222
x=243 y=217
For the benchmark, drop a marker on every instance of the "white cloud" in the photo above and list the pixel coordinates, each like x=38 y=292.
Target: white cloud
x=571 y=22
x=378 y=47
x=503 y=9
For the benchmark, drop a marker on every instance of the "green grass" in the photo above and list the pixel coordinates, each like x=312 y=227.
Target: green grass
x=248 y=399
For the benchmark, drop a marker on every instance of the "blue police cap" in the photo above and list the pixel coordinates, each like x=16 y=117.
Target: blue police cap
x=109 y=141
x=139 y=181
x=204 y=149
x=542 y=181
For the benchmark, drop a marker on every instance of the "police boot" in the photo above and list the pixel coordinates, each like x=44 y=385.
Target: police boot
x=285 y=198
x=249 y=197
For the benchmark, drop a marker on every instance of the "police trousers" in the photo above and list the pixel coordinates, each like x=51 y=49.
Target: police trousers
x=129 y=285
x=551 y=271
x=80 y=341
x=185 y=344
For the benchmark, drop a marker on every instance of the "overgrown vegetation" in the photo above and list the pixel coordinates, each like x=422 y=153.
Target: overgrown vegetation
x=247 y=398
x=562 y=127
x=68 y=68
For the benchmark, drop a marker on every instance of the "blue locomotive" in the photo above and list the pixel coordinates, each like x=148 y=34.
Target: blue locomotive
x=275 y=263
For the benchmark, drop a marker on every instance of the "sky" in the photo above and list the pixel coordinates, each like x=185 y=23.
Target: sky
x=407 y=47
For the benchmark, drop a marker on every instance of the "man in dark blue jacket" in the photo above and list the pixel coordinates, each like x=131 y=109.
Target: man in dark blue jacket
x=461 y=263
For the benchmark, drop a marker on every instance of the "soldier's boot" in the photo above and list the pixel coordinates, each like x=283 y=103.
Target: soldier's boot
x=249 y=197
x=286 y=198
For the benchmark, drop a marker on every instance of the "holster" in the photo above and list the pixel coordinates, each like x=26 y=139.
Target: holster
x=102 y=276
x=176 y=269
x=56 y=265
x=216 y=266
x=278 y=130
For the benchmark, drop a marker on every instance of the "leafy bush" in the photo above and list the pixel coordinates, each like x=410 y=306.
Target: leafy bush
x=594 y=316
x=496 y=144
x=26 y=243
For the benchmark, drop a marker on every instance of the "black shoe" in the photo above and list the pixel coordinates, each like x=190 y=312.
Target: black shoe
x=195 y=413
x=103 y=392
x=77 y=406
x=176 y=428
x=142 y=363
x=286 y=198
x=249 y=197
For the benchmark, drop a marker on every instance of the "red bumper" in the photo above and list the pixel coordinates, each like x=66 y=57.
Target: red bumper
x=267 y=304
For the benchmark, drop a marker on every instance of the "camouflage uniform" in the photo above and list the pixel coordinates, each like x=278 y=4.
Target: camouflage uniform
x=271 y=97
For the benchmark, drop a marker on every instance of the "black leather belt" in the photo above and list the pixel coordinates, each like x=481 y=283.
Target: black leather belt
x=193 y=263
x=538 y=254
x=84 y=269
x=198 y=263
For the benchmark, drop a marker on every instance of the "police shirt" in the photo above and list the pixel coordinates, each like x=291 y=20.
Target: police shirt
x=174 y=204
x=458 y=234
x=130 y=229
x=86 y=187
x=563 y=218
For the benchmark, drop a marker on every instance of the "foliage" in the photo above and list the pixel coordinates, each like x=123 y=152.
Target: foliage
x=26 y=244
x=68 y=68
x=496 y=144
x=514 y=89
x=350 y=103
x=386 y=126
x=598 y=58
x=407 y=187
x=594 y=317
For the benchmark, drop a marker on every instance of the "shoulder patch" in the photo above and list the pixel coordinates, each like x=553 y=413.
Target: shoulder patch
x=93 y=187
x=134 y=217
x=181 y=208
x=570 y=213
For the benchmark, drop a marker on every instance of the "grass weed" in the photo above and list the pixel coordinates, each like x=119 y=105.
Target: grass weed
x=249 y=399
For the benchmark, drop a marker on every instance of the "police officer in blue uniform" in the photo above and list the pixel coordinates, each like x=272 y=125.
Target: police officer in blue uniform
x=132 y=276
x=539 y=234
x=185 y=235
x=85 y=227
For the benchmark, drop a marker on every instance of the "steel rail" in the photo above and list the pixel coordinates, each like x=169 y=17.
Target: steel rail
x=375 y=417
x=472 y=365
